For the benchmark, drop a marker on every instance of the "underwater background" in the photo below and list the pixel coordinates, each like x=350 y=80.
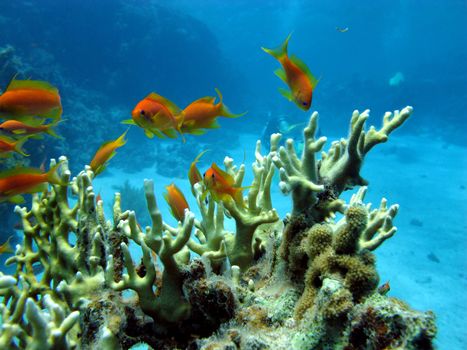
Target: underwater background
x=104 y=56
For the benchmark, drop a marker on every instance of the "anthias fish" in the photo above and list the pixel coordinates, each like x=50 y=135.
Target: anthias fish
x=17 y=127
x=105 y=153
x=194 y=175
x=202 y=114
x=18 y=181
x=221 y=185
x=176 y=201
x=157 y=116
x=296 y=75
x=25 y=99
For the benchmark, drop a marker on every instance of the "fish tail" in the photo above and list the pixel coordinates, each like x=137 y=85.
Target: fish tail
x=18 y=146
x=224 y=110
x=198 y=157
x=53 y=177
x=121 y=140
x=280 y=51
x=179 y=122
x=7 y=246
x=50 y=131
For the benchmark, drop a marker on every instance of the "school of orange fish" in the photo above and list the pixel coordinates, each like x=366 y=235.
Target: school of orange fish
x=31 y=108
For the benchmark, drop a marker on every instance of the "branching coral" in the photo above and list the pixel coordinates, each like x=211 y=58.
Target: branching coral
x=317 y=291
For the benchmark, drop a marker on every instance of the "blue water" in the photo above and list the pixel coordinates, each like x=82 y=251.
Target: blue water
x=105 y=56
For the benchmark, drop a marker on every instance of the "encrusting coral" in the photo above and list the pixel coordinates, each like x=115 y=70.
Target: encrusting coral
x=309 y=285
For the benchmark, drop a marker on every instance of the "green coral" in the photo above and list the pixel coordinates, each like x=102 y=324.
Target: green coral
x=305 y=282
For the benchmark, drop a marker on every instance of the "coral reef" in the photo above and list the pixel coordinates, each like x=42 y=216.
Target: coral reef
x=308 y=281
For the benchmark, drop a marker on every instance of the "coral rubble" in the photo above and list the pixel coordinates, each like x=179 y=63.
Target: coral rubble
x=308 y=281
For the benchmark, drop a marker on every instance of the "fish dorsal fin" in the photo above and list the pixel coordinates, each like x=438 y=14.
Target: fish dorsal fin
x=172 y=107
x=281 y=74
x=303 y=67
x=206 y=99
x=128 y=122
x=223 y=174
x=31 y=84
x=218 y=92
x=19 y=171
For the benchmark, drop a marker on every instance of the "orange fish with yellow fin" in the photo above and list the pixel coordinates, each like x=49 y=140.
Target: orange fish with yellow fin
x=105 y=153
x=18 y=181
x=158 y=116
x=296 y=75
x=17 y=127
x=202 y=114
x=176 y=201
x=25 y=100
x=221 y=185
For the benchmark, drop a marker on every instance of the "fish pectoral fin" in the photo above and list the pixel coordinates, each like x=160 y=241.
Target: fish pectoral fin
x=171 y=133
x=128 y=122
x=280 y=73
x=149 y=133
x=286 y=93
x=196 y=132
x=54 y=113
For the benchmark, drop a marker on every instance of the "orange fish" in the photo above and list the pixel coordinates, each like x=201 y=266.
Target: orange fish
x=221 y=184
x=9 y=145
x=156 y=115
x=296 y=75
x=6 y=247
x=18 y=181
x=194 y=174
x=25 y=99
x=19 y=128
x=176 y=201
x=202 y=113
x=105 y=153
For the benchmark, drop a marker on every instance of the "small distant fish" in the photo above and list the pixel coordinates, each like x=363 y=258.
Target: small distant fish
x=105 y=153
x=176 y=201
x=25 y=100
x=194 y=175
x=342 y=29
x=6 y=247
x=18 y=181
x=9 y=145
x=17 y=127
x=296 y=75
x=202 y=114
x=384 y=289
x=157 y=116
x=220 y=185
x=433 y=257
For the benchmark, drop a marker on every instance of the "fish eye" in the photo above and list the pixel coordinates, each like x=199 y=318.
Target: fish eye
x=304 y=103
x=142 y=112
x=212 y=176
